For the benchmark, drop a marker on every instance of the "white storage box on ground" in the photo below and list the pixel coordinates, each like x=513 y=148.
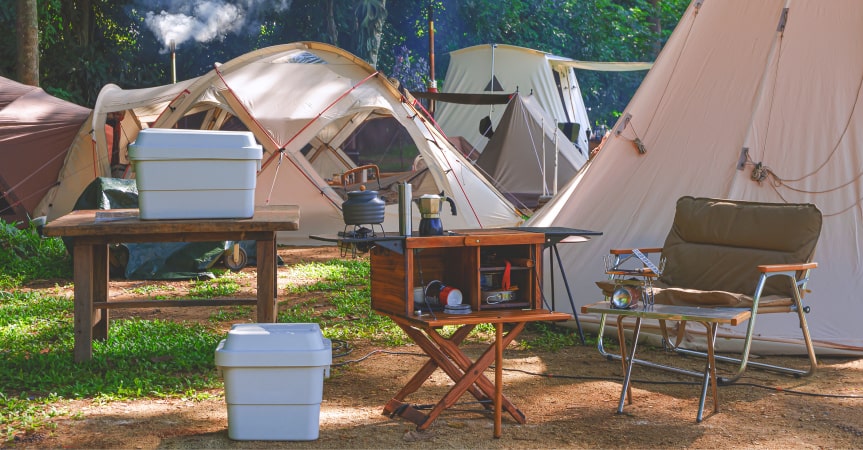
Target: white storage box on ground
x=195 y=174
x=274 y=380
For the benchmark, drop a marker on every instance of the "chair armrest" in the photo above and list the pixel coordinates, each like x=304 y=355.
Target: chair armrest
x=628 y=251
x=767 y=268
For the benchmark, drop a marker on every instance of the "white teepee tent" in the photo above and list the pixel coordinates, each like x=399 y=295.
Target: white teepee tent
x=751 y=101
x=506 y=69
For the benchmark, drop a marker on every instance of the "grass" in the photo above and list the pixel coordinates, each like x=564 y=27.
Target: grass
x=25 y=255
x=141 y=358
x=160 y=358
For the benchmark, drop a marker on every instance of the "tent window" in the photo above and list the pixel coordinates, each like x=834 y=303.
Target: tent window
x=494 y=85
x=300 y=58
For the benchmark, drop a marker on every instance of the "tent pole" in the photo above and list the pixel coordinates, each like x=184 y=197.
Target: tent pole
x=556 y=157
x=173 y=47
x=432 y=82
x=542 y=133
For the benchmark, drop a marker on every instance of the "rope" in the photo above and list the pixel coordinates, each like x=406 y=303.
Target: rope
x=275 y=175
x=272 y=139
x=761 y=172
x=32 y=174
x=313 y=119
x=673 y=69
x=451 y=169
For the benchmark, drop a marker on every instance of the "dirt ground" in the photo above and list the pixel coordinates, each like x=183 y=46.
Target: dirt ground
x=569 y=398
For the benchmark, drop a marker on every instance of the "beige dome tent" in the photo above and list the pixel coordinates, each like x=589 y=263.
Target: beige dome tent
x=294 y=98
x=748 y=100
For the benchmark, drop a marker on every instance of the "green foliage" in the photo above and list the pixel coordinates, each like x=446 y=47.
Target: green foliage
x=344 y=307
x=110 y=43
x=140 y=358
x=218 y=287
x=26 y=256
x=549 y=337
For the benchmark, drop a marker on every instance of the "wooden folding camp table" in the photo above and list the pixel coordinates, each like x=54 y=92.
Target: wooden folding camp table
x=460 y=259
x=93 y=230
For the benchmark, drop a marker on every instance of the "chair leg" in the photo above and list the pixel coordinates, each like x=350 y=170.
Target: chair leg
x=743 y=362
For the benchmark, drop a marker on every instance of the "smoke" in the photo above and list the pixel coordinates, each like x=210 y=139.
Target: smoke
x=203 y=20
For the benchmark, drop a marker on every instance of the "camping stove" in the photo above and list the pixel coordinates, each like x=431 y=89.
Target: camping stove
x=358 y=238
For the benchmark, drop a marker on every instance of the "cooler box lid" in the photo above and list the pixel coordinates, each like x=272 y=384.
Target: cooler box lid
x=274 y=345
x=169 y=143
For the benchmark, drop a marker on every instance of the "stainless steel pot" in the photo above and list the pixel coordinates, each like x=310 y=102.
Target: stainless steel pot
x=499 y=296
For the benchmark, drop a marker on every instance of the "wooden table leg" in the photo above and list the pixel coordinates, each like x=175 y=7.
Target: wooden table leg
x=431 y=365
x=266 y=268
x=498 y=378
x=709 y=380
x=473 y=372
x=437 y=358
x=627 y=377
x=621 y=338
x=100 y=291
x=83 y=276
x=468 y=376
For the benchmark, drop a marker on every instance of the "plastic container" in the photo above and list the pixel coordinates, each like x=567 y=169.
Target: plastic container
x=195 y=174
x=274 y=375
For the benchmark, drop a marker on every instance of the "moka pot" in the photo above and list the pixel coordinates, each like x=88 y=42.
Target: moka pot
x=430 y=206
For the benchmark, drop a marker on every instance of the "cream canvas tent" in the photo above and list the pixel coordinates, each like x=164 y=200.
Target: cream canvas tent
x=499 y=68
x=529 y=156
x=300 y=98
x=749 y=101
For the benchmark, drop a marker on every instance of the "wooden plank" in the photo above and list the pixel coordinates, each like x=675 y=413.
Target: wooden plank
x=485 y=316
x=83 y=322
x=192 y=236
x=498 y=378
x=174 y=303
x=101 y=318
x=474 y=240
x=266 y=267
x=731 y=316
x=128 y=223
x=387 y=281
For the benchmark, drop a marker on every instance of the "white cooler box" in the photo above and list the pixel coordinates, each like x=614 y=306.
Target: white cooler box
x=274 y=379
x=195 y=174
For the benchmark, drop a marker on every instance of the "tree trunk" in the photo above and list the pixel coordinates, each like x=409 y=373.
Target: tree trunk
x=332 y=30
x=656 y=26
x=85 y=32
x=28 y=42
x=378 y=34
x=373 y=14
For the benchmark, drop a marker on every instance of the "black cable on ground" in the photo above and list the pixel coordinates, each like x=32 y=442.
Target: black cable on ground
x=375 y=352
x=615 y=379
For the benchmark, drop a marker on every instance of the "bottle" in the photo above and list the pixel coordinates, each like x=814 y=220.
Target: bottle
x=405 y=199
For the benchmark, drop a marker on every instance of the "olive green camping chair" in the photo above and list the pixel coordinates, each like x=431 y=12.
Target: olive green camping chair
x=730 y=254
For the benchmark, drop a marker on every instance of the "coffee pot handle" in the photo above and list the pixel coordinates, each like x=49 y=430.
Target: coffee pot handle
x=451 y=206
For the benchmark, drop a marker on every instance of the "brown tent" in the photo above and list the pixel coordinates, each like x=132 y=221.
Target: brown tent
x=36 y=130
x=528 y=156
